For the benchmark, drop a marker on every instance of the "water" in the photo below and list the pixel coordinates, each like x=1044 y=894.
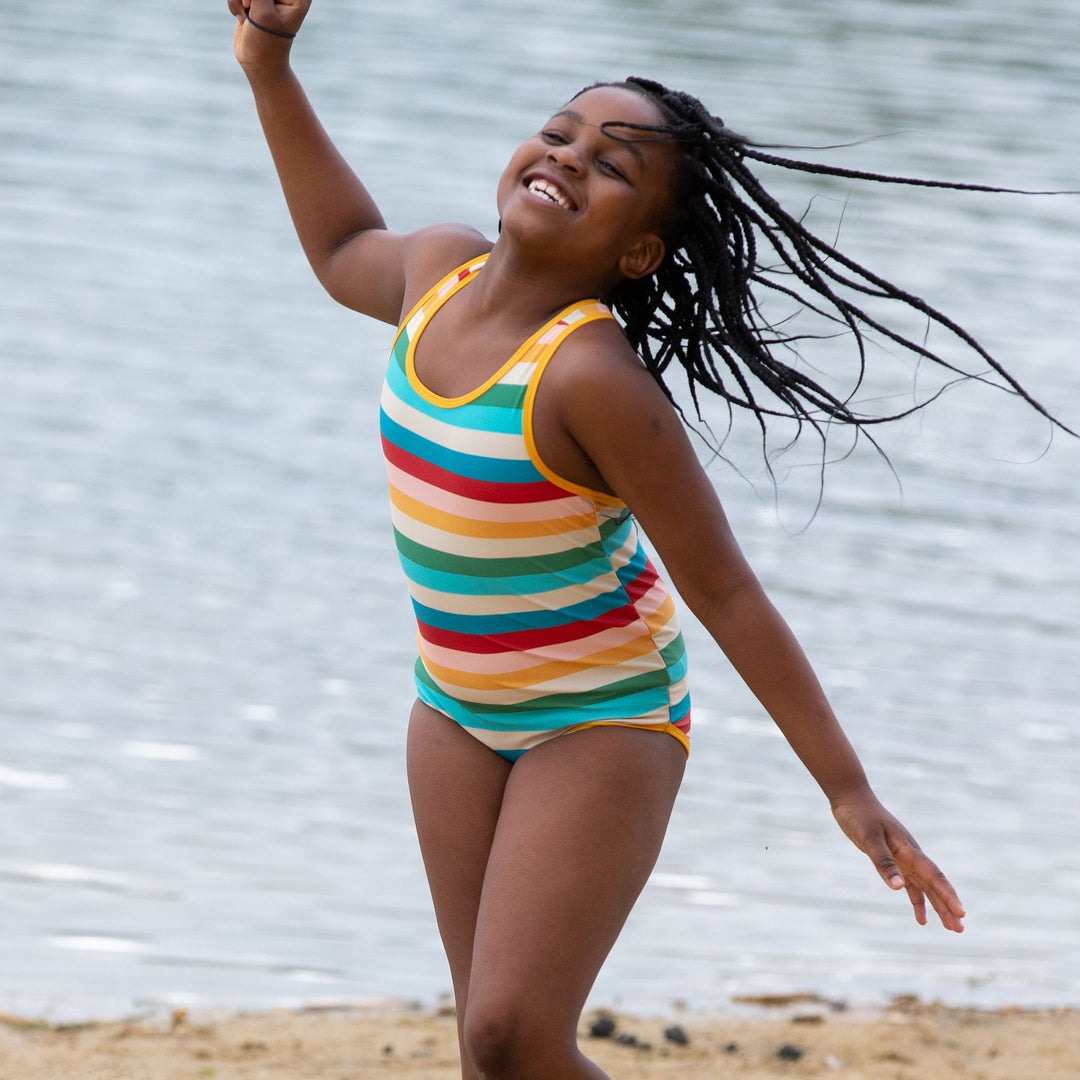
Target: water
x=205 y=640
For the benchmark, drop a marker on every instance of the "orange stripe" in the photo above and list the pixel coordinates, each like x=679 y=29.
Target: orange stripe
x=426 y=514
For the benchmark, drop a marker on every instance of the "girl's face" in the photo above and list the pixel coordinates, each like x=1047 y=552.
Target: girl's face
x=574 y=190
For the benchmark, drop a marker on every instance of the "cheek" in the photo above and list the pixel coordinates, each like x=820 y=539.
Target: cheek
x=509 y=178
x=502 y=192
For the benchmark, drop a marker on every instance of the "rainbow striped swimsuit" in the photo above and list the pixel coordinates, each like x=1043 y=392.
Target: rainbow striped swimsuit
x=539 y=612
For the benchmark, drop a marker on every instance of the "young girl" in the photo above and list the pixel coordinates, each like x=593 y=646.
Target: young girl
x=526 y=442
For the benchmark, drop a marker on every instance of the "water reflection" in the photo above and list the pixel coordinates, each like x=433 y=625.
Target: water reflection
x=206 y=637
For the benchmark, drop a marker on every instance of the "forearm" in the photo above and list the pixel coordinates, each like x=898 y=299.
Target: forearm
x=766 y=654
x=327 y=202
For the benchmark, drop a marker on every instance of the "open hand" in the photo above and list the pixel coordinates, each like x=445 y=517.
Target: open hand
x=899 y=859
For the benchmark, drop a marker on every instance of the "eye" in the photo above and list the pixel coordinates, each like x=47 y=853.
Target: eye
x=556 y=138
x=610 y=168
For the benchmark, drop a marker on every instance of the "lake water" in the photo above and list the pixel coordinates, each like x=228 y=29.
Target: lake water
x=205 y=642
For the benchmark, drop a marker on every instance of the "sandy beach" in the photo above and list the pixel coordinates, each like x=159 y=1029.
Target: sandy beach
x=795 y=1037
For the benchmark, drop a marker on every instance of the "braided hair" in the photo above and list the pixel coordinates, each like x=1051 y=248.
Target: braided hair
x=728 y=242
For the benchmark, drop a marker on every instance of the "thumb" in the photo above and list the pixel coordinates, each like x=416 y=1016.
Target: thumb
x=889 y=871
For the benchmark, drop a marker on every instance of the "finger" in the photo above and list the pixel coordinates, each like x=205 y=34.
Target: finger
x=918 y=902
x=932 y=884
x=271 y=13
x=883 y=859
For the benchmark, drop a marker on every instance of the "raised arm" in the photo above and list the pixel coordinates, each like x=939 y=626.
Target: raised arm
x=358 y=261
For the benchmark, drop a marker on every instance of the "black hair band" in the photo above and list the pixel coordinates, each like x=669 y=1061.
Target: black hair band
x=267 y=29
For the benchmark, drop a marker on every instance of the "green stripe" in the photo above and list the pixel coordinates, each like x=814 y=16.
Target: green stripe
x=608 y=693
x=508 y=567
x=503 y=396
x=674 y=651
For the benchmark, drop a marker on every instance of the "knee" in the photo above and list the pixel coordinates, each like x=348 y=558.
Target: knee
x=503 y=1041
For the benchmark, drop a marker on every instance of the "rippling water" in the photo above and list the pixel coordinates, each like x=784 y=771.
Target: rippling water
x=205 y=644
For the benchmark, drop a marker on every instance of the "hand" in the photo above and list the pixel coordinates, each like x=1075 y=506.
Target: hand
x=898 y=858
x=250 y=44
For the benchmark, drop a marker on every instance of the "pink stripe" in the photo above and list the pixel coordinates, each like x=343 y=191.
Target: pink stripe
x=503 y=663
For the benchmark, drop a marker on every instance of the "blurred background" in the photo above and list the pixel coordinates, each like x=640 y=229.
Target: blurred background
x=205 y=642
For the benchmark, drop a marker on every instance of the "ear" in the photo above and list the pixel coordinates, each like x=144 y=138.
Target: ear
x=643 y=258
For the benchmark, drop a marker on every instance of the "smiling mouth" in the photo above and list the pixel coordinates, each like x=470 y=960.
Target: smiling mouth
x=552 y=192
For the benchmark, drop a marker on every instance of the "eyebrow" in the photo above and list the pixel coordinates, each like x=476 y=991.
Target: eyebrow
x=571 y=114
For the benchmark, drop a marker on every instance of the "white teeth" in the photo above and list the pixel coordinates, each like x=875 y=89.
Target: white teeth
x=550 y=191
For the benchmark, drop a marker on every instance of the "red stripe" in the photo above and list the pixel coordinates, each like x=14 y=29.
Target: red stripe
x=523 y=640
x=637 y=588
x=484 y=490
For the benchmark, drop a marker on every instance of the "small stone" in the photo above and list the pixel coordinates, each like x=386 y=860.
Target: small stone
x=603 y=1027
x=787 y=1052
x=731 y=1048
x=624 y=1038
x=676 y=1035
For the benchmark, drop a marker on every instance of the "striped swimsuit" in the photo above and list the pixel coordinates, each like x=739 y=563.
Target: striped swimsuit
x=538 y=610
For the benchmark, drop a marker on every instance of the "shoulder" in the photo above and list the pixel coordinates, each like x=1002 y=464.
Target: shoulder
x=436 y=250
x=597 y=363
x=612 y=406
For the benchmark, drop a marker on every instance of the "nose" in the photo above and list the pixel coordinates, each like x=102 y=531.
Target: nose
x=565 y=156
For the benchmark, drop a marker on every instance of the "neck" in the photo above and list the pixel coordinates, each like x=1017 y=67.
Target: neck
x=518 y=287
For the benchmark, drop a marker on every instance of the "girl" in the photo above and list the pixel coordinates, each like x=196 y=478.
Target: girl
x=526 y=441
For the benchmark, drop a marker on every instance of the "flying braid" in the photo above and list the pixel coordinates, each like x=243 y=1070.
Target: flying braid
x=700 y=308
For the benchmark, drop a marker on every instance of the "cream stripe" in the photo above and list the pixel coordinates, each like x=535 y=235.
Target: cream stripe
x=461 y=525
x=506 y=446
x=526 y=740
x=488 y=548
x=510 y=604
x=568 y=651
x=519 y=374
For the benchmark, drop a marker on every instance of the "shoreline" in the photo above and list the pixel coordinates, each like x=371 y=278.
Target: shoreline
x=800 y=1035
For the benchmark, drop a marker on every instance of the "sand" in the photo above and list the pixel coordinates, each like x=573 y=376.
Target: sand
x=799 y=1037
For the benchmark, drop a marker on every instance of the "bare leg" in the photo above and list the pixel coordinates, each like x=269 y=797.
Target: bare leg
x=574 y=831
x=456 y=784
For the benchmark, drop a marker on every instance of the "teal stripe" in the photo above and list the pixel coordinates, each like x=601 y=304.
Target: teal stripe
x=499 y=625
x=544 y=717
x=492 y=404
x=680 y=709
x=472 y=466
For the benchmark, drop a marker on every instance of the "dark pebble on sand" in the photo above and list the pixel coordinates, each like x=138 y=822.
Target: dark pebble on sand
x=787 y=1052
x=676 y=1035
x=731 y=1048
x=603 y=1027
x=624 y=1038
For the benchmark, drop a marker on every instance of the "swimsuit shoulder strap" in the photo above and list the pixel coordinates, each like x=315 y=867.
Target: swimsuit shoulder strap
x=440 y=292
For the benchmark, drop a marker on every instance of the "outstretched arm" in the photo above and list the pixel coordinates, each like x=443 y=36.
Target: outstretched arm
x=343 y=234
x=617 y=414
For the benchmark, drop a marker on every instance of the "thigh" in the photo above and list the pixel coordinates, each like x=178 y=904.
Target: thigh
x=456 y=786
x=579 y=830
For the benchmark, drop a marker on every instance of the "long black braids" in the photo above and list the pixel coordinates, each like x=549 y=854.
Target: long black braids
x=700 y=309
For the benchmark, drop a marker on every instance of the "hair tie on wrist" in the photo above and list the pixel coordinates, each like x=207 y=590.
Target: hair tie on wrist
x=267 y=29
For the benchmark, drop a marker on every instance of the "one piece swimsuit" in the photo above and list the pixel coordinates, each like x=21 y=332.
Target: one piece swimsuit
x=538 y=610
